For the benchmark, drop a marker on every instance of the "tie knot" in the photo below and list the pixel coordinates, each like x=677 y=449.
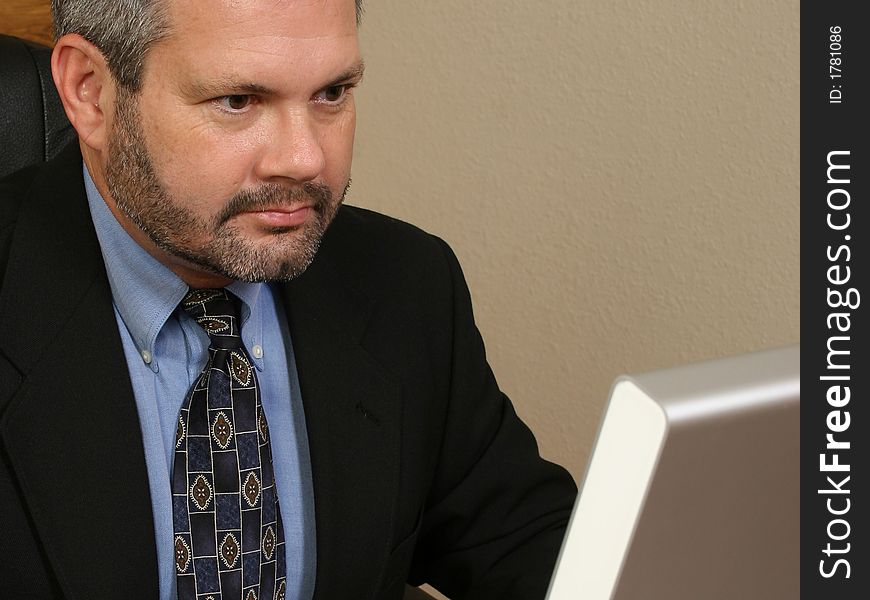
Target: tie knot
x=217 y=312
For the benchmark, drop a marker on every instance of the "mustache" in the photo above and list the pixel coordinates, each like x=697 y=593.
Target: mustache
x=318 y=195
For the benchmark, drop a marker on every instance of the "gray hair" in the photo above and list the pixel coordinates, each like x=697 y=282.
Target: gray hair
x=123 y=30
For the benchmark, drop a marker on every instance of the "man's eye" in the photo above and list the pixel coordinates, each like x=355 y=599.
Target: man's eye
x=235 y=102
x=333 y=94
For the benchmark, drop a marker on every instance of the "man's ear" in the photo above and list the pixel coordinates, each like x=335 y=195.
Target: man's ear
x=86 y=87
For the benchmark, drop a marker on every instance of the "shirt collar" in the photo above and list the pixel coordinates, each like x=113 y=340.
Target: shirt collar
x=145 y=291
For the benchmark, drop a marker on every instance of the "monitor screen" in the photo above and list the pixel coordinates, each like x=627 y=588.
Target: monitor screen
x=692 y=487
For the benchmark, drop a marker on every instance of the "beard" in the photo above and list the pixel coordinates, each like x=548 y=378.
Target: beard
x=215 y=244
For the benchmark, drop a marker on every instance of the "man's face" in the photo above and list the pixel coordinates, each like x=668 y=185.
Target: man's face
x=236 y=154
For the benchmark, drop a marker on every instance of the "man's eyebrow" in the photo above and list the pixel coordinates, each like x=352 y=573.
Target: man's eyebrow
x=351 y=74
x=221 y=87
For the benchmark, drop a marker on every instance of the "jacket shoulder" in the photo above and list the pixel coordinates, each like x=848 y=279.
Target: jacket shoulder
x=375 y=232
x=14 y=188
x=375 y=250
x=45 y=182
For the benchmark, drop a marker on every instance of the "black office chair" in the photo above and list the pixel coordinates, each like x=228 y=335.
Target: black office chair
x=33 y=126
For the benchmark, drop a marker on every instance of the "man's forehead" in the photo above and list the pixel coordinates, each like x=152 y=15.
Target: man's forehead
x=256 y=42
x=300 y=18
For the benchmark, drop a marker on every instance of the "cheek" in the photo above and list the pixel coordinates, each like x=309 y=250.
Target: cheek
x=197 y=163
x=338 y=147
x=198 y=170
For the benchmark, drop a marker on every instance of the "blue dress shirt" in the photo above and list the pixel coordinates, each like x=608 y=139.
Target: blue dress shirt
x=166 y=350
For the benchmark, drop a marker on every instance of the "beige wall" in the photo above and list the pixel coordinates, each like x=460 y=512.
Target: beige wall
x=619 y=180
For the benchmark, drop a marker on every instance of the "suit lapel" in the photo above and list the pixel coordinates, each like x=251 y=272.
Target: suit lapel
x=352 y=411
x=71 y=428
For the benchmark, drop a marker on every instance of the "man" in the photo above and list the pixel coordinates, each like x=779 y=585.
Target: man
x=214 y=152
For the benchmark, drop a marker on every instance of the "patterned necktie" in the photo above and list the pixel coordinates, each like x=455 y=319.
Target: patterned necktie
x=229 y=540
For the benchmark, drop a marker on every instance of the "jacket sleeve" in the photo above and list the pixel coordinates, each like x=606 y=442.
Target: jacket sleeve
x=496 y=513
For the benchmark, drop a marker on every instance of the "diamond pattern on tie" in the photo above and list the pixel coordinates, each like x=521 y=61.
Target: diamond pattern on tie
x=229 y=540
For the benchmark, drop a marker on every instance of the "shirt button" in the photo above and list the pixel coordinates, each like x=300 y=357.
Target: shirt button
x=257 y=350
x=146 y=356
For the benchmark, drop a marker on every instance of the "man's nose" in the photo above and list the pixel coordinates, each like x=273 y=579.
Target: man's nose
x=293 y=150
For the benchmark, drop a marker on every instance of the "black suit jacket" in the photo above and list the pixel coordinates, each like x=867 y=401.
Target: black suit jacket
x=422 y=471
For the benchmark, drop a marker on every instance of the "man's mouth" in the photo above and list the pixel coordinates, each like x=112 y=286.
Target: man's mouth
x=280 y=216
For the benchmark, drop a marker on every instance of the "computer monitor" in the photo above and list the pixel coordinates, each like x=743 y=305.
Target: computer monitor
x=692 y=487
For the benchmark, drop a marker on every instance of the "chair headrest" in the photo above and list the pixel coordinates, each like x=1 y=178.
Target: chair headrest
x=33 y=125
